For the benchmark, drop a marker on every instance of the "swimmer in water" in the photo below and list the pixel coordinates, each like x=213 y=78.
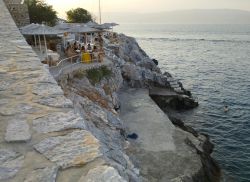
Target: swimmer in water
x=226 y=109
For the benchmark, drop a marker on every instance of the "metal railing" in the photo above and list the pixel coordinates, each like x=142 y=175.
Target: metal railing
x=107 y=52
x=70 y=64
x=69 y=59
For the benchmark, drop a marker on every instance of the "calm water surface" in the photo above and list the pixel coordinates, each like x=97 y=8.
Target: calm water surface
x=213 y=61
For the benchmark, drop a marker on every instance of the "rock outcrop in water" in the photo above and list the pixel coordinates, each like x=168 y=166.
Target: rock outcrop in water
x=140 y=71
x=210 y=169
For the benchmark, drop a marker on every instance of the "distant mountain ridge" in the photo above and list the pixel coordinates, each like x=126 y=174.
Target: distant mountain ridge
x=196 y=16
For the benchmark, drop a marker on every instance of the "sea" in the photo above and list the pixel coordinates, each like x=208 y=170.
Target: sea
x=213 y=62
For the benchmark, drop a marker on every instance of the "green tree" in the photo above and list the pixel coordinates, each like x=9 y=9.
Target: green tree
x=40 y=12
x=79 y=15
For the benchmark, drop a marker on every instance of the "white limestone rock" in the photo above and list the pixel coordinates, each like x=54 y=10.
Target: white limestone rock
x=26 y=108
x=45 y=89
x=58 y=101
x=102 y=174
x=17 y=131
x=7 y=111
x=18 y=90
x=10 y=163
x=74 y=149
x=21 y=108
x=131 y=71
x=114 y=120
x=57 y=122
x=46 y=174
x=4 y=101
x=4 y=85
x=46 y=77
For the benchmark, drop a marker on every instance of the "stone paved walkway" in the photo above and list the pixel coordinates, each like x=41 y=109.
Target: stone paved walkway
x=39 y=132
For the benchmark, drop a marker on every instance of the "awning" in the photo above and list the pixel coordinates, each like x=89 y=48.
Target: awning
x=37 y=29
x=83 y=29
x=105 y=26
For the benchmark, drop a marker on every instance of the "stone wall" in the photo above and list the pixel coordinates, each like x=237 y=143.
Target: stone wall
x=18 y=11
x=41 y=137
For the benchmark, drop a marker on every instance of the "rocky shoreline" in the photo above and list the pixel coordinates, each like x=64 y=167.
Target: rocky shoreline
x=160 y=92
x=100 y=106
x=70 y=129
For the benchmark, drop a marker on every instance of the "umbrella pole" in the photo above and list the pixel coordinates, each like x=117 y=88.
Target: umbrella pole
x=35 y=40
x=64 y=42
x=86 y=39
x=40 y=43
x=45 y=45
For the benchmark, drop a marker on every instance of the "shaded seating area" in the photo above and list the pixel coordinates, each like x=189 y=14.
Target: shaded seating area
x=76 y=42
x=89 y=44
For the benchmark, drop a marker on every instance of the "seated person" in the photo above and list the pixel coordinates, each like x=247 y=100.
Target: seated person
x=70 y=52
x=89 y=47
x=101 y=55
x=83 y=49
x=75 y=47
x=67 y=48
x=95 y=54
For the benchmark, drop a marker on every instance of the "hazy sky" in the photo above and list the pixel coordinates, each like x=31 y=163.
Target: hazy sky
x=143 y=6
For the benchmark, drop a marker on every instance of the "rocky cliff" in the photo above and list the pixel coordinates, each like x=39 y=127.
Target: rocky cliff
x=97 y=101
x=42 y=137
x=74 y=132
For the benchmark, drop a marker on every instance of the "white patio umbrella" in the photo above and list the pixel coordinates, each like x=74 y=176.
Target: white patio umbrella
x=29 y=27
x=105 y=26
x=78 y=28
x=69 y=28
x=91 y=24
x=38 y=29
x=83 y=29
